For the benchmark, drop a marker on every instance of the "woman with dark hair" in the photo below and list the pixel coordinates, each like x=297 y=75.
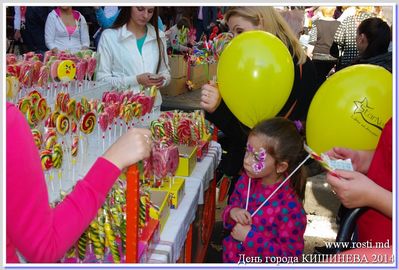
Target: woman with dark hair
x=372 y=41
x=133 y=51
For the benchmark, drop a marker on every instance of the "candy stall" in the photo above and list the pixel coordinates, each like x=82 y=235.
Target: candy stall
x=149 y=214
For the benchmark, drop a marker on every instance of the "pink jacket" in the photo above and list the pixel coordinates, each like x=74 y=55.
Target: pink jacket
x=41 y=233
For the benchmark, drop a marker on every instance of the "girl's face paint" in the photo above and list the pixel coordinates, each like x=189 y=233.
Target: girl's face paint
x=258 y=158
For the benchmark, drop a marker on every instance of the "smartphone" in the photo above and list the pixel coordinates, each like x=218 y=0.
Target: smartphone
x=155 y=77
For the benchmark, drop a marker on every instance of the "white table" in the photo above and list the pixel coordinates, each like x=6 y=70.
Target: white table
x=204 y=171
x=176 y=228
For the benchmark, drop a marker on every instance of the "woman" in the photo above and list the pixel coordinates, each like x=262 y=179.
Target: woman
x=66 y=29
x=133 y=51
x=36 y=231
x=372 y=41
x=320 y=42
x=239 y=20
x=345 y=37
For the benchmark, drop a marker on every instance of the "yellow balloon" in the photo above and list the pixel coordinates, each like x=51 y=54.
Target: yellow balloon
x=350 y=109
x=255 y=76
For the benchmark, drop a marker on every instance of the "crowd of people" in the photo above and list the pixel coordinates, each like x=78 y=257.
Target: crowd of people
x=133 y=43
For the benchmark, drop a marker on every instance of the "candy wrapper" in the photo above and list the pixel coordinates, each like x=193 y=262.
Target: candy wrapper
x=329 y=164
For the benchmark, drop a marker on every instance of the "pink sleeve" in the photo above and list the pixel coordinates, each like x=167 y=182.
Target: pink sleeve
x=38 y=232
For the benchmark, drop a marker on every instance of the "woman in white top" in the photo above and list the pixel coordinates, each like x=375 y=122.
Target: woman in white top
x=133 y=51
x=66 y=29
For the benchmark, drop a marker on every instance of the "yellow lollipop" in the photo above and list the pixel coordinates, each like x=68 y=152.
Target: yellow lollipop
x=66 y=70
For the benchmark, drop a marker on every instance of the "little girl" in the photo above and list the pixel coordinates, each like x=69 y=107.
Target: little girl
x=274 y=150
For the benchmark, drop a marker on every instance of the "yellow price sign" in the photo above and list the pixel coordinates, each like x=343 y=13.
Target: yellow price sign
x=66 y=70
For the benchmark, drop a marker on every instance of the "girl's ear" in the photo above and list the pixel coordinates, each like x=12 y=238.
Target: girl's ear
x=281 y=167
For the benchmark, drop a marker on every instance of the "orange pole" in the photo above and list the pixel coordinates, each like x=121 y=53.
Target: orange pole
x=132 y=210
x=189 y=244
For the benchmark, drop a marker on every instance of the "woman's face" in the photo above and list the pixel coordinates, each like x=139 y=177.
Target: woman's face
x=238 y=25
x=141 y=15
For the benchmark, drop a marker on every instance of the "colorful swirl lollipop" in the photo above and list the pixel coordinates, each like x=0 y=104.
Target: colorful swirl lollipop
x=71 y=106
x=41 y=109
x=57 y=156
x=43 y=76
x=46 y=159
x=62 y=124
x=88 y=123
x=75 y=146
x=31 y=117
x=78 y=111
x=37 y=137
x=24 y=104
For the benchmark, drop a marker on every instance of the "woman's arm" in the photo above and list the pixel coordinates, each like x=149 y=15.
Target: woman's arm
x=106 y=54
x=84 y=33
x=50 y=31
x=103 y=21
x=165 y=69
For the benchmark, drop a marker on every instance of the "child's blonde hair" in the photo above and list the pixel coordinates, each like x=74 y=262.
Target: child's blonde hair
x=271 y=21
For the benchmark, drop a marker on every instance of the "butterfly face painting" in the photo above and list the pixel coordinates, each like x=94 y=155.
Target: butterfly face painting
x=259 y=158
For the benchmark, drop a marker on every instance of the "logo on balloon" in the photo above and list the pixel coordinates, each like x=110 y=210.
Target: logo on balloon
x=367 y=118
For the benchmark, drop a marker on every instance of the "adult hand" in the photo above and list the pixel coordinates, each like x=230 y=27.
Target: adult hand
x=55 y=50
x=210 y=97
x=360 y=159
x=17 y=35
x=354 y=189
x=149 y=79
x=132 y=147
x=240 y=232
x=241 y=216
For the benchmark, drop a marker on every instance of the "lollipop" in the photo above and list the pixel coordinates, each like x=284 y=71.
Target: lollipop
x=43 y=76
x=46 y=159
x=159 y=161
x=70 y=108
x=34 y=96
x=57 y=156
x=88 y=123
x=75 y=146
x=79 y=111
x=157 y=129
x=24 y=104
x=103 y=121
x=36 y=71
x=54 y=71
x=37 y=137
x=81 y=68
x=41 y=109
x=62 y=124
x=172 y=155
x=100 y=107
x=66 y=70
x=91 y=66
x=31 y=116
x=183 y=130
x=74 y=126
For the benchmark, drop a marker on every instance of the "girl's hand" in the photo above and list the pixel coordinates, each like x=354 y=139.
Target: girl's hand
x=149 y=79
x=240 y=232
x=241 y=216
x=130 y=148
x=210 y=97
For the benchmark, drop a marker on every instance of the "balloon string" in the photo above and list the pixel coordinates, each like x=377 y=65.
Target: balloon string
x=249 y=188
x=282 y=183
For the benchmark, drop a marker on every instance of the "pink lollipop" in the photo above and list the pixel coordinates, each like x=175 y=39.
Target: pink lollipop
x=103 y=121
x=159 y=161
x=54 y=70
x=91 y=66
x=81 y=68
x=43 y=76
x=172 y=155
